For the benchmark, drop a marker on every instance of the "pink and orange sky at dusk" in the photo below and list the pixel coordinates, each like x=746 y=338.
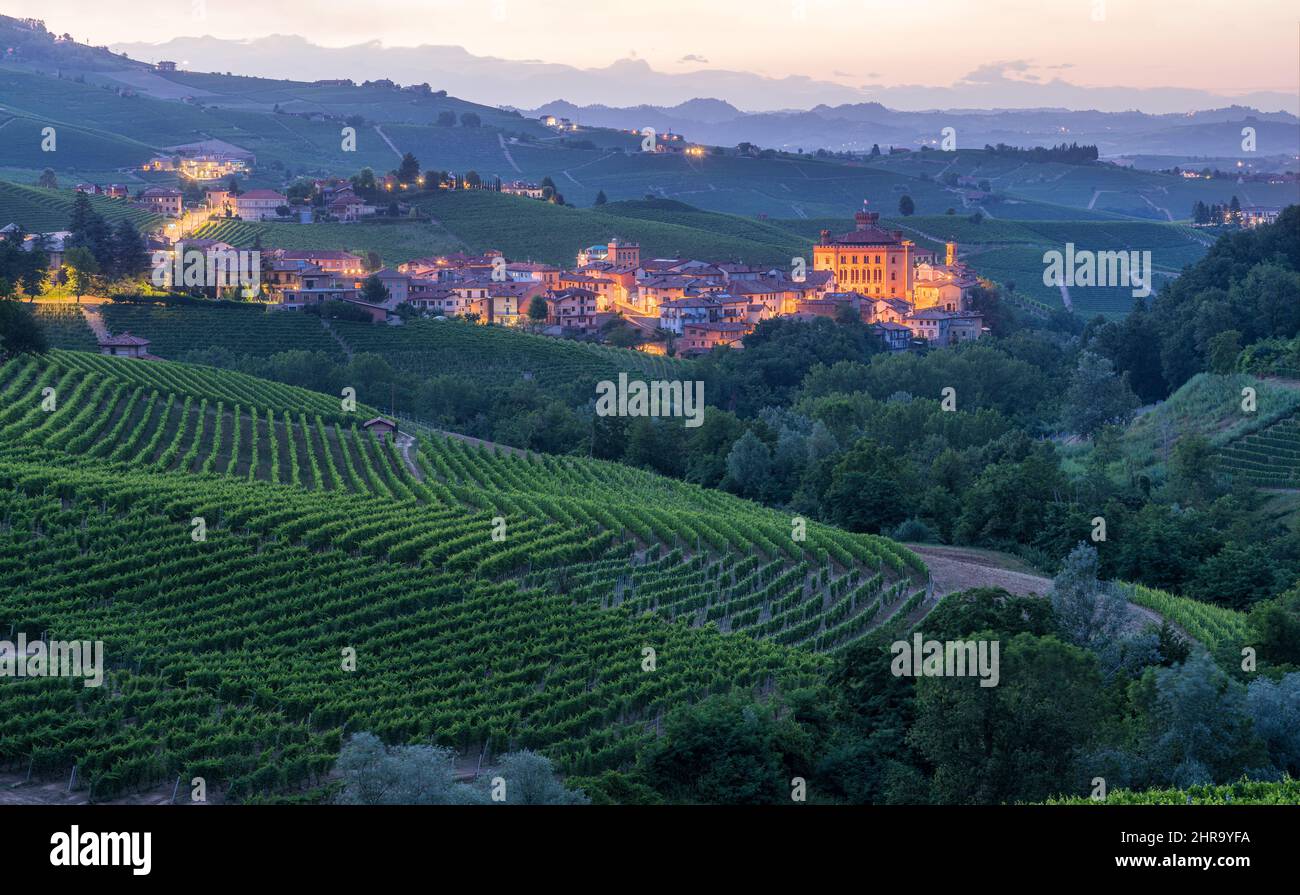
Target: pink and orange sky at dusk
x=1220 y=45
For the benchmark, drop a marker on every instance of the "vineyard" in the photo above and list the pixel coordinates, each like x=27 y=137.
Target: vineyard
x=1266 y=459
x=395 y=241
x=39 y=210
x=65 y=326
x=176 y=329
x=1221 y=631
x=554 y=233
x=1210 y=405
x=501 y=356
x=1243 y=792
x=495 y=601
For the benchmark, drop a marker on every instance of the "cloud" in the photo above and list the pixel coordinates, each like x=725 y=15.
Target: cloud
x=691 y=57
x=996 y=72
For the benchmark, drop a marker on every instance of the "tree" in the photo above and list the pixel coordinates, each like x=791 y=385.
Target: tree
x=470 y=119
x=727 y=750
x=1097 y=397
x=1193 y=469
x=129 y=252
x=84 y=269
x=619 y=333
x=409 y=169
x=1015 y=742
x=1191 y=725
x=402 y=775
x=48 y=180
x=530 y=780
x=373 y=290
x=19 y=331
x=1274 y=709
x=906 y=207
x=88 y=229
x=869 y=489
x=749 y=465
x=538 y=310
x=1093 y=614
x=1275 y=628
x=1223 y=350
x=990 y=609
x=374 y=774
x=446 y=119
x=600 y=198
x=364 y=181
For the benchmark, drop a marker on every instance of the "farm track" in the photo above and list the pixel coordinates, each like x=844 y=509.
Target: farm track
x=510 y=158
x=347 y=349
x=95 y=320
x=954 y=569
x=383 y=136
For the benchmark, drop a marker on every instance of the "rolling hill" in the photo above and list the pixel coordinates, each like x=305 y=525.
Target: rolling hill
x=532 y=639
x=112 y=114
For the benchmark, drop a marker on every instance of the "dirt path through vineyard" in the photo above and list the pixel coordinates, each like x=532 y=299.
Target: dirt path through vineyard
x=956 y=569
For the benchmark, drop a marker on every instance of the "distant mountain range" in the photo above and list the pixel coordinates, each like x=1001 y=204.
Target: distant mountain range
x=857 y=126
x=527 y=83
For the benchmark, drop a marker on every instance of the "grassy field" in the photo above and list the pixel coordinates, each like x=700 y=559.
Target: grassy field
x=484 y=644
x=1208 y=405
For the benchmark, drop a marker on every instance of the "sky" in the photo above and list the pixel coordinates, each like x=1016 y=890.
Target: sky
x=1139 y=43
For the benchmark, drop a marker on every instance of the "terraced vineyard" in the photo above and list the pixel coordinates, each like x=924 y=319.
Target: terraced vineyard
x=499 y=355
x=1269 y=458
x=176 y=329
x=224 y=652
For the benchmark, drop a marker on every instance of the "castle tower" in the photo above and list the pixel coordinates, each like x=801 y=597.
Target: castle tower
x=951 y=258
x=865 y=219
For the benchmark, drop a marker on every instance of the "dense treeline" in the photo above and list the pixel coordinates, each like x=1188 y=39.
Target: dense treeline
x=1071 y=154
x=1245 y=290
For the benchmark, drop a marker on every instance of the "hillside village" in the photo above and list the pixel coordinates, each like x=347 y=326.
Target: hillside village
x=678 y=305
x=902 y=292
